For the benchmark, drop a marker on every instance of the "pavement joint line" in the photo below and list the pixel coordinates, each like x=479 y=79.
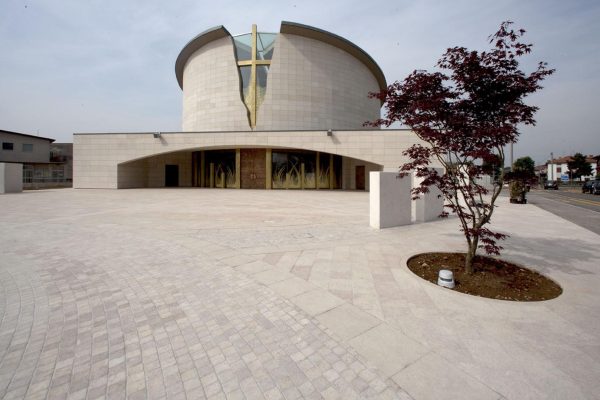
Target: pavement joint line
x=414 y=362
x=365 y=331
x=469 y=374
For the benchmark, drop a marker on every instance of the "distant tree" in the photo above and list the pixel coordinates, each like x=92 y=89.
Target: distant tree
x=521 y=176
x=579 y=167
x=525 y=164
x=466 y=116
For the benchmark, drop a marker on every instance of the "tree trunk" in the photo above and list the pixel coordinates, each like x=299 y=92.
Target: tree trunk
x=470 y=256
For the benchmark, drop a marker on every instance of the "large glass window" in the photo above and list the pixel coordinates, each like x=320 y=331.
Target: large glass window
x=254 y=52
x=261 y=83
x=265 y=45
x=245 y=75
x=293 y=170
x=243 y=47
x=7 y=146
x=220 y=168
x=330 y=171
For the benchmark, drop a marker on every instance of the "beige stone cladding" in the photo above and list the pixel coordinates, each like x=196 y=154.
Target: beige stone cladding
x=211 y=90
x=314 y=85
x=150 y=172
x=349 y=171
x=97 y=157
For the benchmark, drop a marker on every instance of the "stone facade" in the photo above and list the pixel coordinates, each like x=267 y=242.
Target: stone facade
x=315 y=100
x=316 y=80
x=211 y=90
x=314 y=85
x=111 y=160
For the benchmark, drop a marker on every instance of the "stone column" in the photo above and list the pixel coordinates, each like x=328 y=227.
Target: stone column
x=389 y=200
x=202 y=170
x=269 y=169
x=331 y=175
x=317 y=171
x=237 y=168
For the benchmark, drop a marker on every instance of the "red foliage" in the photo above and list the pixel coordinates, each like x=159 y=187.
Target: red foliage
x=466 y=114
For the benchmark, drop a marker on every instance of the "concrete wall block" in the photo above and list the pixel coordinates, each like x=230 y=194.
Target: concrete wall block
x=389 y=200
x=430 y=205
x=11 y=178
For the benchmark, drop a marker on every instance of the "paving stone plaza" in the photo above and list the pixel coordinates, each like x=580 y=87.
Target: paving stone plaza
x=229 y=294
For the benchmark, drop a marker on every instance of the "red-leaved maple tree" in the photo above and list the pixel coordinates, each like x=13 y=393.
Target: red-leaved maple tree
x=466 y=113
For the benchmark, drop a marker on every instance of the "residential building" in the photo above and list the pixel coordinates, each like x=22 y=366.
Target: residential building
x=41 y=168
x=558 y=169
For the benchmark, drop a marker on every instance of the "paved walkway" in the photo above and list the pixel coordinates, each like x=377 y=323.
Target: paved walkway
x=255 y=294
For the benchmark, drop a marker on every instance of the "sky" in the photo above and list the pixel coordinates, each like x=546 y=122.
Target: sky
x=108 y=65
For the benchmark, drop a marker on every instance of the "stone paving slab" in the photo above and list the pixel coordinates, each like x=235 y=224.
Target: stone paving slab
x=388 y=349
x=156 y=293
x=348 y=321
x=270 y=276
x=316 y=301
x=450 y=383
x=292 y=287
x=100 y=299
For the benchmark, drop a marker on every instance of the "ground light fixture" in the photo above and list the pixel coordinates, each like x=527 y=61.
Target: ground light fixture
x=446 y=279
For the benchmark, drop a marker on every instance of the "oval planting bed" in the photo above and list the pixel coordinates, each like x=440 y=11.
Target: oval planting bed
x=493 y=278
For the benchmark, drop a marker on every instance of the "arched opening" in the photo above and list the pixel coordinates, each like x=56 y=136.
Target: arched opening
x=248 y=168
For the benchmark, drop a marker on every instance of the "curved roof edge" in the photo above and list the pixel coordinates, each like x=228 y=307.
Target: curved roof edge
x=293 y=28
x=202 y=39
x=311 y=32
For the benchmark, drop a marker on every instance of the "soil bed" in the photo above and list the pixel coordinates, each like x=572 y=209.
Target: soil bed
x=494 y=279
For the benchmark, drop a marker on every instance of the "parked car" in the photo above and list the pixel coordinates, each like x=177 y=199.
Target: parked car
x=596 y=187
x=587 y=186
x=551 y=185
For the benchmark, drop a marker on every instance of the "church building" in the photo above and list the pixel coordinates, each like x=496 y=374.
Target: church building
x=261 y=110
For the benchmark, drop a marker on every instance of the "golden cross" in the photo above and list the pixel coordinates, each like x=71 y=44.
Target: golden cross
x=251 y=99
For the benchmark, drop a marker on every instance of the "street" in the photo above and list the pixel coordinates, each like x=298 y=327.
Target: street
x=582 y=209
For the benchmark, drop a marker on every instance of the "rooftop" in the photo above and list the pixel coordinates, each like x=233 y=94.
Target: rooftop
x=26 y=135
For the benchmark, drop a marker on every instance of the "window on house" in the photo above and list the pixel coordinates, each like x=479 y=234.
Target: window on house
x=7 y=146
x=559 y=169
x=27 y=147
